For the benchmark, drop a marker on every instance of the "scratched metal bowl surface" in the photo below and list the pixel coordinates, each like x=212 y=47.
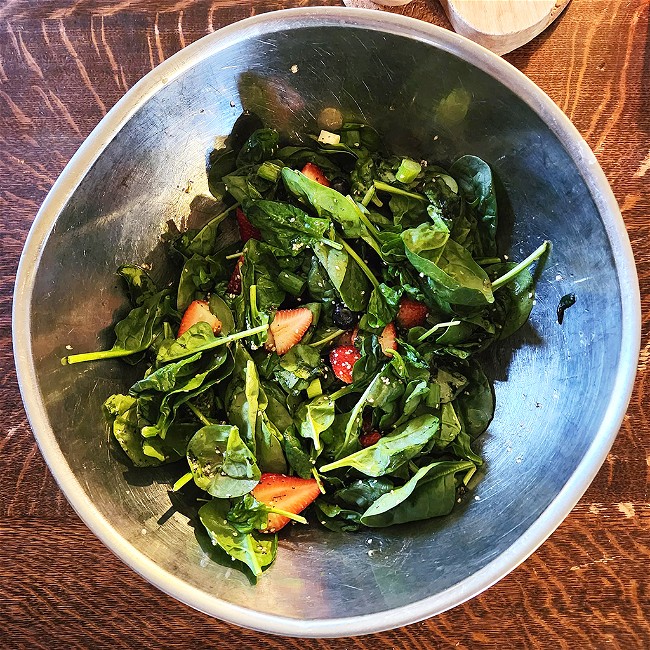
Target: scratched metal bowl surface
x=561 y=390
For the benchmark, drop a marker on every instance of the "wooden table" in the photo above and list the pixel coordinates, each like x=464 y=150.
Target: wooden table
x=63 y=64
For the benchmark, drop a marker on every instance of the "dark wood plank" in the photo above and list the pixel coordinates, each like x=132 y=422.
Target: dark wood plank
x=63 y=64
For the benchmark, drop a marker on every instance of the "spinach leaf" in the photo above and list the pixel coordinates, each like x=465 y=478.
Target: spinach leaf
x=315 y=417
x=454 y=275
x=336 y=443
x=206 y=241
x=346 y=276
x=328 y=203
x=362 y=493
x=383 y=393
x=135 y=333
x=392 y=450
x=245 y=185
x=221 y=463
x=220 y=309
x=462 y=448
x=260 y=146
x=199 y=276
x=140 y=286
x=449 y=425
x=475 y=183
x=336 y=518
x=318 y=283
x=298 y=157
x=451 y=384
x=299 y=460
x=245 y=399
x=475 y=404
x=122 y=416
x=255 y=550
x=285 y=226
x=276 y=408
x=199 y=338
x=382 y=306
x=298 y=368
x=431 y=492
x=416 y=392
x=513 y=301
x=268 y=446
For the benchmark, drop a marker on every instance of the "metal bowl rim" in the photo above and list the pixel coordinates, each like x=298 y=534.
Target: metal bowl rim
x=92 y=148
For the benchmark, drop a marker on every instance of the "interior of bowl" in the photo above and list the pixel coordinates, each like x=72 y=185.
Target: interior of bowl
x=553 y=383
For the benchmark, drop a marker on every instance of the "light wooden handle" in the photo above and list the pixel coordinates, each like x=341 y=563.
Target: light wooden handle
x=502 y=25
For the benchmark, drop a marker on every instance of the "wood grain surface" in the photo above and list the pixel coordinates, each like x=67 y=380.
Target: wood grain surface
x=63 y=64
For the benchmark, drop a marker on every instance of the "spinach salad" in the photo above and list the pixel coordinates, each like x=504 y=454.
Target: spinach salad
x=327 y=356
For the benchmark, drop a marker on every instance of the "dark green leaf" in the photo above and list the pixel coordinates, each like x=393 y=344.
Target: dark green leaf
x=474 y=178
x=221 y=463
x=392 y=450
x=328 y=203
x=256 y=550
x=431 y=492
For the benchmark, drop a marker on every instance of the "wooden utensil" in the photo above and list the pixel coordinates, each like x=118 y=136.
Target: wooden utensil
x=502 y=25
x=499 y=25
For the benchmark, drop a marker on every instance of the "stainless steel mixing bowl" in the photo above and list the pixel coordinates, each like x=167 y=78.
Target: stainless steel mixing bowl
x=561 y=390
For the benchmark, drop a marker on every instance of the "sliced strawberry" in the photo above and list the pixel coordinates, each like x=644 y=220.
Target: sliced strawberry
x=287 y=328
x=198 y=312
x=411 y=313
x=387 y=339
x=349 y=337
x=246 y=229
x=369 y=439
x=342 y=360
x=315 y=173
x=290 y=493
x=234 y=284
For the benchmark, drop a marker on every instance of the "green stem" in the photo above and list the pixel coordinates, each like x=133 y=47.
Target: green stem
x=362 y=265
x=332 y=244
x=95 y=356
x=487 y=261
x=198 y=414
x=186 y=478
x=535 y=255
x=468 y=475
x=380 y=185
x=235 y=256
x=285 y=513
x=252 y=292
x=368 y=196
x=218 y=342
x=435 y=328
x=327 y=339
x=372 y=231
x=316 y=476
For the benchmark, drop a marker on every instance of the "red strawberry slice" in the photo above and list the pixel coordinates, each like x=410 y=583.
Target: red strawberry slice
x=198 y=312
x=342 y=360
x=287 y=328
x=315 y=173
x=290 y=493
x=246 y=229
x=411 y=313
x=387 y=339
x=369 y=439
x=234 y=284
